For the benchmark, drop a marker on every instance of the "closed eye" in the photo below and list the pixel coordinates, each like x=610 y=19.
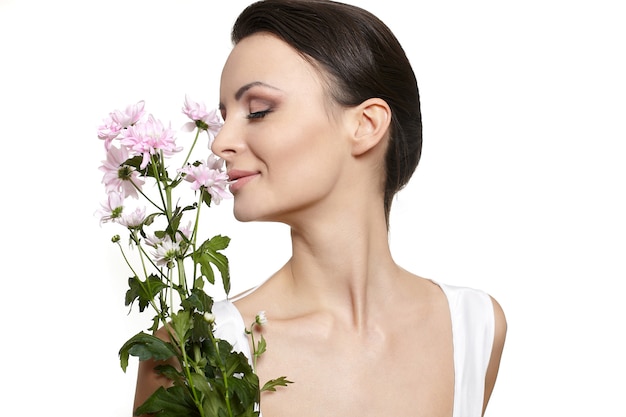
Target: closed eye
x=258 y=114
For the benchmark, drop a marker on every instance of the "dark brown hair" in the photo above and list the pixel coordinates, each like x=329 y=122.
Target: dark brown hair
x=363 y=59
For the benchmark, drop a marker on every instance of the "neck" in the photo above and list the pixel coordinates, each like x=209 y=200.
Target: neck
x=345 y=269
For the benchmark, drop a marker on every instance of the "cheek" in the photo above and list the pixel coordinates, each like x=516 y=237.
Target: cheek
x=306 y=154
x=309 y=169
x=301 y=152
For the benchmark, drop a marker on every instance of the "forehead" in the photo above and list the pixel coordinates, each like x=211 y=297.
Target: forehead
x=263 y=57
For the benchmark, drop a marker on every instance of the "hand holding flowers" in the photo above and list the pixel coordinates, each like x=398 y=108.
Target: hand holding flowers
x=169 y=268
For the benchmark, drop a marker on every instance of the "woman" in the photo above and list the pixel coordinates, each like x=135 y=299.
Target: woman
x=322 y=128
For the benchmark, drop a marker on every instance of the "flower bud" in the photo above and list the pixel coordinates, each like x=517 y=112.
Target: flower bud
x=115 y=238
x=209 y=317
x=261 y=318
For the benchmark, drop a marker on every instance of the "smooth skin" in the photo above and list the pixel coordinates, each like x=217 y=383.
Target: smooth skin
x=358 y=334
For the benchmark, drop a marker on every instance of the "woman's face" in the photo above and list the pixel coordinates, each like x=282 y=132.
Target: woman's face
x=282 y=139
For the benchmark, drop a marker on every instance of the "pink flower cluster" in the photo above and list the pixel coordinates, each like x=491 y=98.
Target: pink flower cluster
x=130 y=133
x=211 y=121
x=139 y=136
x=210 y=176
x=119 y=120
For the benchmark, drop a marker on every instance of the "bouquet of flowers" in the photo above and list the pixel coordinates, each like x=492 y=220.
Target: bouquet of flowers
x=169 y=267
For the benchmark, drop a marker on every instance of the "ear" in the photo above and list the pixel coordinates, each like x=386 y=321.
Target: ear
x=371 y=122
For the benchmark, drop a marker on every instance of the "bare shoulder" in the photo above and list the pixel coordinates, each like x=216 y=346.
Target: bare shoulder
x=496 y=350
x=500 y=327
x=419 y=286
x=500 y=319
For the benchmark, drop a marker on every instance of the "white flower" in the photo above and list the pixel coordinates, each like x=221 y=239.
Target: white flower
x=187 y=231
x=133 y=219
x=166 y=252
x=209 y=317
x=261 y=318
x=112 y=208
x=153 y=241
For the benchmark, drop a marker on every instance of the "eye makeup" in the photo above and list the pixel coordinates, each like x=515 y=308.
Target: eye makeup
x=254 y=96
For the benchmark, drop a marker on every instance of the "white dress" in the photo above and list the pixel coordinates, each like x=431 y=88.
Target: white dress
x=473 y=327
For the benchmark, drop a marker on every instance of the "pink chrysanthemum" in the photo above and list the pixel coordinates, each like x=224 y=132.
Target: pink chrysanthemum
x=118 y=176
x=187 y=231
x=133 y=219
x=118 y=121
x=211 y=121
x=130 y=116
x=148 y=137
x=166 y=252
x=112 y=208
x=108 y=132
x=210 y=177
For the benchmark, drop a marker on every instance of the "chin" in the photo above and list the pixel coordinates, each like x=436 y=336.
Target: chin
x=243 y=217
x=244 y=213
x=248 y=214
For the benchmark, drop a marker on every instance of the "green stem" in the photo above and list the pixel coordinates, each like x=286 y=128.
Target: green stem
x=126 y=259
x=168 y=192
x=144 y=255
x=182 y=279
x=255 y=355
x=141 y=255
x=140 y=191
x=193 y=144
x=186 y=367
x=223 y=370
x=194 y=236
x=157 y=175
x=254 y=352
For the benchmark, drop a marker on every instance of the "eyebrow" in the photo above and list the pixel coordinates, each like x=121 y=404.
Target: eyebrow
x=248 y=86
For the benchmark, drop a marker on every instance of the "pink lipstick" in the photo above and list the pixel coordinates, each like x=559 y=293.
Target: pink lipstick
x=239 y=178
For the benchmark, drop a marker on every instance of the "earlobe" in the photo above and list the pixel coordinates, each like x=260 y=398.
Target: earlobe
x=373 y=118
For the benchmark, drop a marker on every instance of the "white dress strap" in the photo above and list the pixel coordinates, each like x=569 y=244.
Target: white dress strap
x=229 y=326
x=473 y=328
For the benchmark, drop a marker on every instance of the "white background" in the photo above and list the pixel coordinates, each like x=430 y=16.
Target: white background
x=520 y=190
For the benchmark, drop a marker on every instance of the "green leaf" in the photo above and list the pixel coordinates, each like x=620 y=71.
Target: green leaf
x=149 y=220
x=173 y=225
x=171 y=402
x=201 y=384
x=145 y=346
x=171 y=373
x=208 y=254
x=198 y=283
x=144 y=291
x=206 y=198
x=218 y=242
x=204 y=261
x=272 y=384
x=244 y=391
x=201 y=328
x=156 y=321
x=199 y=300
x=226 y=354
x=261 y=347
x=135 y=162
x=181 y=324
x=133 y=291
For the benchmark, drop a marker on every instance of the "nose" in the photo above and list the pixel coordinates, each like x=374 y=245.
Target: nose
x=226 y=143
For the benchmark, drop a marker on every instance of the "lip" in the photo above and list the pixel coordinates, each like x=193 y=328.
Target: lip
x=240 y=178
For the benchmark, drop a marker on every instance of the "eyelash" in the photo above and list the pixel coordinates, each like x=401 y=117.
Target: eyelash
x=258 y=114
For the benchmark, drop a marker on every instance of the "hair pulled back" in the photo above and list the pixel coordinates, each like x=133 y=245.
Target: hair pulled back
x=363 y=59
